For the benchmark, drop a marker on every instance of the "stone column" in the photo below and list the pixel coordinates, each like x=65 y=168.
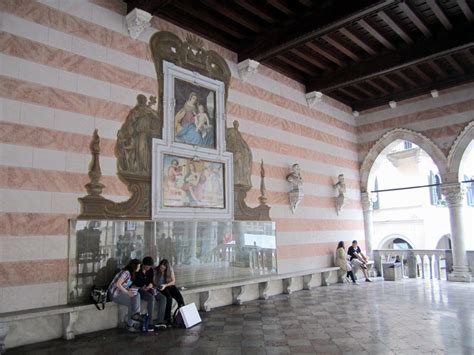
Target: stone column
x=454 y=194
x=368 y=221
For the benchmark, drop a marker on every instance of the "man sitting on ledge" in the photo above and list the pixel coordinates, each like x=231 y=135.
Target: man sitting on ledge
x=358 y=260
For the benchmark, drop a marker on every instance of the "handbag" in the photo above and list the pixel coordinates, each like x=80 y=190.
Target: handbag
x=99 y=297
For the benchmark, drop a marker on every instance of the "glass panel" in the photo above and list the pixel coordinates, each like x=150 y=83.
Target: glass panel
x=201 y=253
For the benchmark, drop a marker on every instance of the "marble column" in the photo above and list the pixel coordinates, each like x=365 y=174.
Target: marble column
x=368 y=221
x=454 y=194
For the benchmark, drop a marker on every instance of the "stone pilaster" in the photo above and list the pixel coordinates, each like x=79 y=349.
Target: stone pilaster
x=368 y=221
x=454 y=194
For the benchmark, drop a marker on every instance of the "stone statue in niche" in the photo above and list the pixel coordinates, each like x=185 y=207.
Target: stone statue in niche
x=296 y=181
x=243 y=161
x=133 y=148
x=242 y=155
x=340 y=187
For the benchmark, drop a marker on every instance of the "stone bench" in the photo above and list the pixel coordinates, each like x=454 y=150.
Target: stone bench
x=32 y=326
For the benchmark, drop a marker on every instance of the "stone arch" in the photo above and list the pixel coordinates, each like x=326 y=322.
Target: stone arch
x=444 y=239
x=458 y=148
x=393 y=237
x=403 y=134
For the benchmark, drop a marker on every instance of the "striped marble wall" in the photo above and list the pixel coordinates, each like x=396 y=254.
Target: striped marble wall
x=68 y=67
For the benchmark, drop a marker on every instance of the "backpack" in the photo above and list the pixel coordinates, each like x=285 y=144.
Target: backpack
x=99 y=296
x=178 y=321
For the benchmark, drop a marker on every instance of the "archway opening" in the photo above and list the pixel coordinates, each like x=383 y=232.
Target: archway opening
x=466 y=176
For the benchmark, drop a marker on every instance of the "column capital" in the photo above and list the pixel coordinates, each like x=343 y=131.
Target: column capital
x=366 y=201
x=137 y=20
x=454 y=193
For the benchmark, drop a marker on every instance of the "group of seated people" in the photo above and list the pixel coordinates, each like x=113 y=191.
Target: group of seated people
x=141 y=280
x=352 y=261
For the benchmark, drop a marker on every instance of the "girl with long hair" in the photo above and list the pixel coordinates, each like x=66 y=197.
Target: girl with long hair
x=166 y=284
x=343 y=263
x=121 y=292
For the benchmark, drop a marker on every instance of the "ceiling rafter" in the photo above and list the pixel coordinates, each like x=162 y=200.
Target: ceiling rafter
x=236 y=16
x=466 y=10
x=301 y=67
x=350 y=93
x=270 y=44
x=415 y=18
x=341 y=47
x=357 y=40
x=405 y=78
x=256 y=10
x=418 y=71
x=391 y=82
x=376 y=34
x=377 y=86
x=396 y=27
x=436 y=68
x=325 y=53
x=363 y=90
x=309 y=58
x=281 y=7
x=454 y=63
x=439 y=13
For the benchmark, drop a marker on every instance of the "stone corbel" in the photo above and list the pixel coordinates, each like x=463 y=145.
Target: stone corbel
x=4 y=327
x=206 y=299
x=247 y=68
x=137 y=21
x=69 y=319
x=287 y=283
x=238 y=293
x=313 y=97
x=263 y=288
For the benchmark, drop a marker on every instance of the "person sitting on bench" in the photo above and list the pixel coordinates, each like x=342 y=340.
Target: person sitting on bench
x=358 y=260
x=165 y=281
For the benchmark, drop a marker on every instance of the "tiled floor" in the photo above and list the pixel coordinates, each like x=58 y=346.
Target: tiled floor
x=403 y=317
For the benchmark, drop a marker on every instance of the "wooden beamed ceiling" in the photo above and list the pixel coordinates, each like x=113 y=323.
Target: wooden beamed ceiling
x=363 y=53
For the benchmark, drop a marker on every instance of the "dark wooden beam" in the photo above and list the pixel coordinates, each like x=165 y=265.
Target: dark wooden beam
x=440 y=14
x=409 y=93
x=418 y=71
x=454 y=63
x=405 y=78
x=413 y=16
x=390 y=82
x=281 y=7
x=394 y=25
x=237 y=16
x=436 y=68
x=325 y=53
x=445 y=43
x=350 y=93
x=314 y=25
x=283 y=68
x=309 y=58
x=466 y=10
x=357 y=40
x=212 y=21
x=360 y=88
x=376 y=34
x=256 y=10
x=293 y=63
x=341 y=47
x=377 y=86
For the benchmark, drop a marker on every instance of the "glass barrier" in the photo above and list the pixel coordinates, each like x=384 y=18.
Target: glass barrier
x=201 y=252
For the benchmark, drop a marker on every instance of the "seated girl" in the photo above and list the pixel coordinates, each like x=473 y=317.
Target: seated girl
x=165 y=282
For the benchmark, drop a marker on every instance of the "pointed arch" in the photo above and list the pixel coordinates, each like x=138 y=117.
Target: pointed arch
x=458 y=148
x=403 y=134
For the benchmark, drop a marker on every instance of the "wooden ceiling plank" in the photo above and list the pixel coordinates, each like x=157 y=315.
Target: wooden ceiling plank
x=420 y=73
x=440 y=14
x=338 y=45
x=360 y=88
x=466 y=10
x=281 y=7
x=253 y=8
x=326 y=54
x=211 y=20
x=390 y=82
x=376 y=34
x=412 y=15
x=357 y=40
x=309 y=58
x=454 y=63
x=300 y=67
x=231 y=13
x=405 y=78
x=395 y=26
x=436 y=68
x=377 y=86
x=351 y=94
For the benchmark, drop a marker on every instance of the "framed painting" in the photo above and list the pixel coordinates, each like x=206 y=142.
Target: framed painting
x=194 y=109
x=190 y=185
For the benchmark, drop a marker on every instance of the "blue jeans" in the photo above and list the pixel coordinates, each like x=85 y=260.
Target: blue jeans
x=150 y=300
x=133 y=304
